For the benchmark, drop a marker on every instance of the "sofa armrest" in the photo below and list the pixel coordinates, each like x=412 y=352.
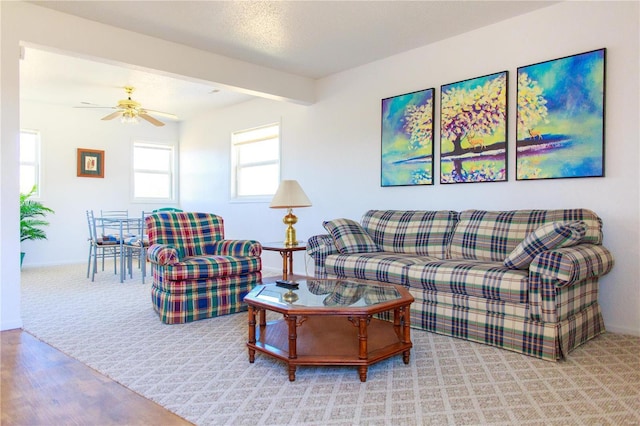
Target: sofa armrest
x=246 y=248
x=163 y=254
x=319 y=247
x=573 y=264
x=564 y=281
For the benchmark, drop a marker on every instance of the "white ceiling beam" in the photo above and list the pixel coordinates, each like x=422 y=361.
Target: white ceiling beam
x=47 y=29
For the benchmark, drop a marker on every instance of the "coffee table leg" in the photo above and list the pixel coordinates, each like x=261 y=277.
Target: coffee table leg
x=252 y=333
x=293 y=352
x=406 y=328
x=363 y=352
x=263 y=317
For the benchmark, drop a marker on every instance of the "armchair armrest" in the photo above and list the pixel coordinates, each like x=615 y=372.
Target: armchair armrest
x=573 y=264
x=246 y=248
x=163 y=254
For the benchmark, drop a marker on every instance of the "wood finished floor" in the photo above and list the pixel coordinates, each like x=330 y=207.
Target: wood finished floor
x=42 y=386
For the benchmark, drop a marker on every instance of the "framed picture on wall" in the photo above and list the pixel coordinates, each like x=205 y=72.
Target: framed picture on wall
x=407 y=139
x=473 y=130
x=560 y=118
x=90 y=163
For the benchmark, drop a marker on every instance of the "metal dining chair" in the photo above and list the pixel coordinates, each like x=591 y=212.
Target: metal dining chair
x=98 y=247
x=110 y=216
x=136 y=247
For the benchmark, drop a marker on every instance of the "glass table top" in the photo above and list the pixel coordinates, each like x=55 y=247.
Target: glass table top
x=329 y=293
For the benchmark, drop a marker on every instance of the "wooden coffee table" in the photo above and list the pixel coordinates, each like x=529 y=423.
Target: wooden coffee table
x=330 y=322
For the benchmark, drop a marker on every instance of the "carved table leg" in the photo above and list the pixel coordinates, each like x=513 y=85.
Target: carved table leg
x=406 y=328
x=252 y=333
x=363 y=352
x=292 y=373
x=293 y=354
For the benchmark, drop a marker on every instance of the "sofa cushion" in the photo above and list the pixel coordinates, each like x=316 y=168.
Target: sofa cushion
x=203 y=267
x=488 y=280
x=383 y=266
x=492 y=235
x=424 y=233
x=350 y=237
x=547 y=237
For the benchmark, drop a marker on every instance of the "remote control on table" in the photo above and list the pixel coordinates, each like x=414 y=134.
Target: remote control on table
x=287 y=284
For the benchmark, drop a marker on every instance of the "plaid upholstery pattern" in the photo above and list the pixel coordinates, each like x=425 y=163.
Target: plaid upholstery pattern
x=547 y=237
x=349 y=236
x=188 y=232
x=234 y=248
x=178 y=302
x=570 y=272
x=546 y=340
x=466 y=291
x=198 y=274
x=163 y=255
x=573 y=264
x=486 y=280
x=425 y=233
x=319 y=247
x=487 y=235
x=199 y=267
x=385 y=267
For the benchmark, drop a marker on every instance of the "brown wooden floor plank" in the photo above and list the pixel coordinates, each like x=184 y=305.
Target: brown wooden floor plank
x=42 y=386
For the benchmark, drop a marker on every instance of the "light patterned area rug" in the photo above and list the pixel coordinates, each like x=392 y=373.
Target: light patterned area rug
x=201 y=370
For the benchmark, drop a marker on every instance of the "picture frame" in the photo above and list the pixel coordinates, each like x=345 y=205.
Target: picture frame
x=473 y=129
x=560 y=117
x=90 y=163
x=407 y=137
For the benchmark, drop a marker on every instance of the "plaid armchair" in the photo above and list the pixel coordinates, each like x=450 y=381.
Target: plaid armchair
x=197 y=274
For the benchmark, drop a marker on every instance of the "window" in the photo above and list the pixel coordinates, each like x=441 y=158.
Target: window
x=29 y=161
x=154 y=171
x=255 y=166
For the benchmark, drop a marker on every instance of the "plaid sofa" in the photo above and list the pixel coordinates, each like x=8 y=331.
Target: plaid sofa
x=522 y=280
x=196 y=273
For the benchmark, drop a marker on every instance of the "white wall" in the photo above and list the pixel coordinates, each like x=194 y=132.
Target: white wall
x=333 y=147
x=62 y=131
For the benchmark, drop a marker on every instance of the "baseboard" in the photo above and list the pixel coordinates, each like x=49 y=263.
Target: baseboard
x=11 y=325
x=622 y=330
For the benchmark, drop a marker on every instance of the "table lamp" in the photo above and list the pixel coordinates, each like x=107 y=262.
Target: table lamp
x=288 y=196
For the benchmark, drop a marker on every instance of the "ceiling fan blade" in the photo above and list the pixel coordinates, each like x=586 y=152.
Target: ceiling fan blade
x=151 y=120
x=95 y=107
x=162 y=114
x=112 y=115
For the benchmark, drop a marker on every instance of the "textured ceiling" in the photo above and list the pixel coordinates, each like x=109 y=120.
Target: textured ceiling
x=308 y=38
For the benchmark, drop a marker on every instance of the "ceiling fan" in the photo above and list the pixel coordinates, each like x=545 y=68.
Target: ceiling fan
x=130 y=111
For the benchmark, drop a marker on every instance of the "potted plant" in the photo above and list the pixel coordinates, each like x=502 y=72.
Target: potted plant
x=31 y=219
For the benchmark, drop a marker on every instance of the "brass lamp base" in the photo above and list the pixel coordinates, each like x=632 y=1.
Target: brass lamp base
x=290 y=236
x=290 y=296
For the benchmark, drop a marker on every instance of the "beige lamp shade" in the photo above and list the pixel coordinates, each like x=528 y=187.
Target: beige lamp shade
x=289 y=195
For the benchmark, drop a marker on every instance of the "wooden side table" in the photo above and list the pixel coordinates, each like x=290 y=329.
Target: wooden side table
x=287 y=255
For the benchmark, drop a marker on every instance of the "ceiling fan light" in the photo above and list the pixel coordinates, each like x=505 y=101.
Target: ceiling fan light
x=129 y=117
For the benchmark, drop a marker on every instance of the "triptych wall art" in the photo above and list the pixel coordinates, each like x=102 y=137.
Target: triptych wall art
x=407 y=139
x=559 y=128
x=560 y=118
x=473 y=130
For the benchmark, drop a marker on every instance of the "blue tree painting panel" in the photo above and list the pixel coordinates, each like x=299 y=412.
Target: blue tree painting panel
x=560 y=118
x=407 y=139
x=473 y=130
